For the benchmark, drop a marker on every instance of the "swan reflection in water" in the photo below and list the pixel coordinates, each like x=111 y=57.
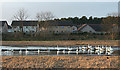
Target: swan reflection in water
x=106 y=50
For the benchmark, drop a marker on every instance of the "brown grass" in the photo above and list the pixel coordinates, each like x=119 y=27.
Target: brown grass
x=60 y=61
x=62 y=43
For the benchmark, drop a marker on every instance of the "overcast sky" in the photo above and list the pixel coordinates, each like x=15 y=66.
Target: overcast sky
x=59 y=9
x=59 y=0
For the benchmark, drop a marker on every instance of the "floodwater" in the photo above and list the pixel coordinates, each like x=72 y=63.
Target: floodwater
x=33 y=50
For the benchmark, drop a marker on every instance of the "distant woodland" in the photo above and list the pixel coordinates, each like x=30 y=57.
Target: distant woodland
x=90 y=20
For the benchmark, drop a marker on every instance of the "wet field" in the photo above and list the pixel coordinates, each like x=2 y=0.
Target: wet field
x=60 y=57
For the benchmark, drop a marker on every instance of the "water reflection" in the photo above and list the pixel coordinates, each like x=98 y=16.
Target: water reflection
x=82 y=50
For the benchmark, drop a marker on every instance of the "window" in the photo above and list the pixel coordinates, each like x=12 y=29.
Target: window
x=26 y=27
x=62 y=26
x=62 y=31
x=14 y=27
x=32 y=26
x=73 y=28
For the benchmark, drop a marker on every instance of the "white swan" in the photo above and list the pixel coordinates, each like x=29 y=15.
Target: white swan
x=26 y=52
x=109 y=50
x=64 y=51
x=58 y=52
x=38 y=51
x=20 y=51
x=101 y=50
x=83 y=49
x=69 y=50
x=76 y=51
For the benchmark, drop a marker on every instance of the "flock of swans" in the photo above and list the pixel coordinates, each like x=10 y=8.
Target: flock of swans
x=107 y=50
x=89 y=50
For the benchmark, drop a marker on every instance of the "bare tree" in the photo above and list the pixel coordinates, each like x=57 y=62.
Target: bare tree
x=21 y=15
x=111 y=25
x=44 y=16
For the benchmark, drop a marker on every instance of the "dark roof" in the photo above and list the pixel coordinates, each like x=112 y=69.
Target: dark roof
x=9 y=27
x=24 y=23
x=2 y=23
x=59 y=23
x=96 y=27
x=50 y=22
x=78 y=26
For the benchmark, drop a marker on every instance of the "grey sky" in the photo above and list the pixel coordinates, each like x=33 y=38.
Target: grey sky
x=59 y=0
x=60 y=9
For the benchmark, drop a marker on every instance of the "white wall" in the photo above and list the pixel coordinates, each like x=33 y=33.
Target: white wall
x=5 y=28
x=16 y=28
x=25 y=29
x=55 y=29
x=62 y=29
x=10 y=30
x=29 y=28
x=88 y=29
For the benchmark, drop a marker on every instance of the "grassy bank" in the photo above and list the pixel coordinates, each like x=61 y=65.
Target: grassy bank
x=61 y=43
x=57 y=37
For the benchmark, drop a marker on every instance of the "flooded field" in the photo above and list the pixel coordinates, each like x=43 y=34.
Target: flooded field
x=60 y=57
x=69 y=50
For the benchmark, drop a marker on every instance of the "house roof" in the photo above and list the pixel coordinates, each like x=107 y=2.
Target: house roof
x=9 y=27
x=81 y=27
x=24 y=23
x=34 y=23
x=96 y=27
x=2 y=23
x=59 y=23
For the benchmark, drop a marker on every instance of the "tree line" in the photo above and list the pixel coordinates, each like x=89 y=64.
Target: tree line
x=45 y=16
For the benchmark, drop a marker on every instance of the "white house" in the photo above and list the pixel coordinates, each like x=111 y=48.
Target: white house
x=91 y=28
x=3 y=27
x=46 y=27
x=10 y=28
x=97 y=27
x=86 y=28
x=57 y=27
x=24 y=26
